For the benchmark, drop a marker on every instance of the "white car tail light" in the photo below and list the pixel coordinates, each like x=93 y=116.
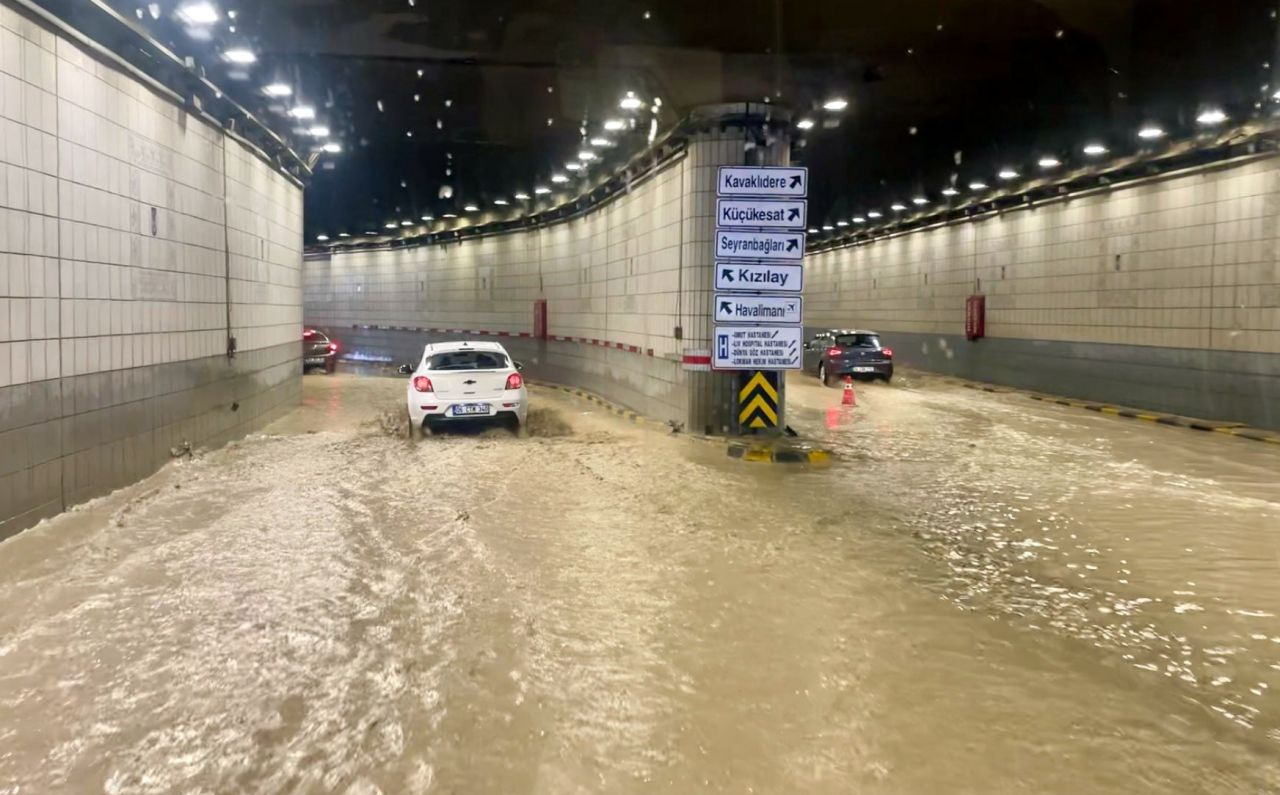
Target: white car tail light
x=515 y=381
x=422 y=384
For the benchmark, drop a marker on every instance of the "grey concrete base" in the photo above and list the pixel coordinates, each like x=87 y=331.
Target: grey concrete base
x=649 y=385
x=64 y=441
x=1220 y=385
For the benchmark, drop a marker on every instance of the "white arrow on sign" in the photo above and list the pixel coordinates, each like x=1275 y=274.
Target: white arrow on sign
x=731 y=244
x=780 y=181
x=774 y=309
x=757 y=348
x=762 y=213
x=771 y=277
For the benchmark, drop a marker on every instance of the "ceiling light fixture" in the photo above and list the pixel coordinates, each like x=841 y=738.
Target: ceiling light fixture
x=919 y=200
x=614 y=124
x=572 y=166
x=449 y=215
x=875 y=214
x=542 y=190
x=198 y=13
x=344 y=234
x=587 y=154
x=240 y=55
x=559 y=178
x=303 y=112
x=392 y=225
x=601 y=141
x=522 y=196
x=428 y=218
x=471 y=208
x=1095 y=149
x=500 y=202
x=813 y=231
x=406 y=223
x=1211 y=116
x=827 y=227
x=842 y=223
x=318 y=131
x=322 y=238
x=1150 y=133
x=805 y=124
x=630 y=101
x=858 y=219
x=1048 y=161
x=278 y=90
x=836 y=104
x=1007 y=173
x=977 y=184
x=897 y=207
x=332 y=148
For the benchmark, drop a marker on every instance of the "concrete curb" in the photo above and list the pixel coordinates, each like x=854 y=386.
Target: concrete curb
x=776 y=453
x=612 y=408
x=1223 y=426
x=1175 y=420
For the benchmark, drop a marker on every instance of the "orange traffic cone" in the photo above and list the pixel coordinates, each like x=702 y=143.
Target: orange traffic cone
x=849 y=398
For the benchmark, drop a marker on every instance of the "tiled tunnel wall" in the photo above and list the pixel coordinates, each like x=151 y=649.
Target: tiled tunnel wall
x=1162 y=295
x=610 y=276
x=628 y=287
x=123 y=220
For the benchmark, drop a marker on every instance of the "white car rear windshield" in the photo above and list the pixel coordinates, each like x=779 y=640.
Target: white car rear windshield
x=467 y=360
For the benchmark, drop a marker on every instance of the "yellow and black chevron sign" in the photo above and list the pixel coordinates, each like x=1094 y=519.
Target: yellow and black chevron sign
x=758 y=402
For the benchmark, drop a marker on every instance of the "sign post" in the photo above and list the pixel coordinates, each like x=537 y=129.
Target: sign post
x=761 y=213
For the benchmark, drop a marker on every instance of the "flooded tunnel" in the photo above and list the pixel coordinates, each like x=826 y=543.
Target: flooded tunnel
x=507 y=398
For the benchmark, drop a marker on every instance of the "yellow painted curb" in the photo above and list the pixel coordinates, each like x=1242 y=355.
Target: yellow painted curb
x=764 y=454
x=1217 y=426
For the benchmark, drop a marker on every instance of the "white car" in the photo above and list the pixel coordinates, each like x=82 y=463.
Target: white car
x=465 y=381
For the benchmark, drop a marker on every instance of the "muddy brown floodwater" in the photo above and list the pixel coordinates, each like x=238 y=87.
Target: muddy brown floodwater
x=983 y=595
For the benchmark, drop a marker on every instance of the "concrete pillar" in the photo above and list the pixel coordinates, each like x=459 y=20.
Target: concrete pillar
x=728 y=134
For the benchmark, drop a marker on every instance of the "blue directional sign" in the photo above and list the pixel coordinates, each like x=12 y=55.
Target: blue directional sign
x=765 y=277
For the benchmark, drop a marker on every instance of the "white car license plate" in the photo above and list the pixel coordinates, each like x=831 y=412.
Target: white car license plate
x=470 y=409
x=864 y=369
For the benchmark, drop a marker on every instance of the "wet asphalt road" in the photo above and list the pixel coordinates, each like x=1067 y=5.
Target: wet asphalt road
x=984 y=594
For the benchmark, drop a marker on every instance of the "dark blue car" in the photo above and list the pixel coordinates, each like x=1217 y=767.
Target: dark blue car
x=831 y=354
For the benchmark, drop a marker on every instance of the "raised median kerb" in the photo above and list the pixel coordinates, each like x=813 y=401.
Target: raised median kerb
x=1225 y=427
x=792 y=450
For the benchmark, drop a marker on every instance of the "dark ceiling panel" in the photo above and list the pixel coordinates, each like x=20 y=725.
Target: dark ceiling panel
x=938 y=89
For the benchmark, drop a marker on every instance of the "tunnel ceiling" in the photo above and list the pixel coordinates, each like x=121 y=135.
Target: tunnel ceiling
x=437 y=104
